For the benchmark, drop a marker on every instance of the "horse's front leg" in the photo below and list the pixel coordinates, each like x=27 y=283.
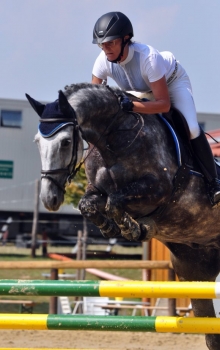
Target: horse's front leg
x=146 y=192
x=92 y=206
x=134 y=231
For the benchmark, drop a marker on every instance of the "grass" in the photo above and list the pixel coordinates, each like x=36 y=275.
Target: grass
x=12 y=253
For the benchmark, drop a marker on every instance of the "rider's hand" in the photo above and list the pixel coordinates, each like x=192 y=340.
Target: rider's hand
x=126 y=104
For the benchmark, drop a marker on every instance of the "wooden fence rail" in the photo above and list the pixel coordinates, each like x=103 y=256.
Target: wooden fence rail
x=84 y=264
x=54 y=266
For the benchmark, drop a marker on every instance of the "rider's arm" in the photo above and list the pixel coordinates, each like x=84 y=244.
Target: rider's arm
x=161 y=101
x=96 y=80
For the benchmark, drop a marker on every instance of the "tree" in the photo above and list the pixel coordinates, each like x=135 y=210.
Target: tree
x=76 y=189
x=74 y=193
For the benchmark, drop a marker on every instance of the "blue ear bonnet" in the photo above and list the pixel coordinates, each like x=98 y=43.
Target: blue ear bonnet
x=52 y=110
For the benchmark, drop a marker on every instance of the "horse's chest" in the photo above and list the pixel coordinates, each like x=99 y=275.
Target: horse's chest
x=111 y=179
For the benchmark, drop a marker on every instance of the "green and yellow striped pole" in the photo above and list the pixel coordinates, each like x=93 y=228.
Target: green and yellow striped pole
x=161 y=324
x=126 y=289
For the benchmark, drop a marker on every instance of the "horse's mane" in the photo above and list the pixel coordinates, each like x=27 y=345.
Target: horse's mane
x=94 y=95
x=70 y=89
x=73 y=88
x=88 y=88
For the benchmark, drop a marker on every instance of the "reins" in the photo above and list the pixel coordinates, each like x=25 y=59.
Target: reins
x=72 y=165
x=136 y=115
x=71 y=168
x=107 y=127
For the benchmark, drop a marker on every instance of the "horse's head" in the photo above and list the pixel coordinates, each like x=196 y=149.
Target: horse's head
x=60 y=145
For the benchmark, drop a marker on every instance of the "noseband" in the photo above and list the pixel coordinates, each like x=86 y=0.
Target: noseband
x=70 y=169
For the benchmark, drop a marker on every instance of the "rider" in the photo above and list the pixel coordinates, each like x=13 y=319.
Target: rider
x=141 y=68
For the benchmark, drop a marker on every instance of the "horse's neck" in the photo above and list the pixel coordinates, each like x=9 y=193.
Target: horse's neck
x=97 y=118
x=95 y=129
x=93 y=101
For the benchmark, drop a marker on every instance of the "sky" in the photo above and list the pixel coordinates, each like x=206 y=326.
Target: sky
x=47 y=44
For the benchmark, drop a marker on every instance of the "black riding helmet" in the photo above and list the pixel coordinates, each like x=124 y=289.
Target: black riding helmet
x=112 y=25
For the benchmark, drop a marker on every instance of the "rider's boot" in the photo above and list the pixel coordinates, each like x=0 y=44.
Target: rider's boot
x=206 y=162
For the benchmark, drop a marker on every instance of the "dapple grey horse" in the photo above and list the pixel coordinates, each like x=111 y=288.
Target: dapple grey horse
x=138 y=184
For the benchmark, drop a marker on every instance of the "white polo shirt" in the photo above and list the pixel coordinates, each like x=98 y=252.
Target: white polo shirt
x=143 y=65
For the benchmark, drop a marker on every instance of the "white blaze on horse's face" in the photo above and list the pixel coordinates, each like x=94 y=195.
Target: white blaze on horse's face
x=56 y=153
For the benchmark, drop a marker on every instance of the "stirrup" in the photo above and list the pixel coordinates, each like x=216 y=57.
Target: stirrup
x=216 y=200
x=214 y=193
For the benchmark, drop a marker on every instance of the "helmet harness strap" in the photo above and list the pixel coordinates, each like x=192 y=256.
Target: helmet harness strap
x=123 y=44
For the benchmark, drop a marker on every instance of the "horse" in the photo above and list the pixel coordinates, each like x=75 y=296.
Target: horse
x=138 y=185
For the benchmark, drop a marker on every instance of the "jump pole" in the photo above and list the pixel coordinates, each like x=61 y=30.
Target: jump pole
x=126 y=289
x=158 y=324
x=86 y=264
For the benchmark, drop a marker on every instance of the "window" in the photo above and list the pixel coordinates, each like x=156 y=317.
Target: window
x=11 y=119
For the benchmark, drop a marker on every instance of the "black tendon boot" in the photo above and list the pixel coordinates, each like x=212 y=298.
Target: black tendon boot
x=206 y=162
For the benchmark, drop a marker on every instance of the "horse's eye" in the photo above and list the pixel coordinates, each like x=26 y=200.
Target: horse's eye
x=65 y=143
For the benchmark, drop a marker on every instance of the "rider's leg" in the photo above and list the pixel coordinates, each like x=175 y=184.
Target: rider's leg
x=205 y=159
x=182 y=98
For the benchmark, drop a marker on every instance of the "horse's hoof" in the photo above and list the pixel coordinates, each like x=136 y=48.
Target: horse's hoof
x=113 y=209
x=111 y=231
x=130 y=229
x=139 y=234
x=148 y=230
x=145 y=234
x=127 y=235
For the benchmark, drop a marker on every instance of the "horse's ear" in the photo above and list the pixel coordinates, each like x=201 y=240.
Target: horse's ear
x=65 y=107
x=37 y=106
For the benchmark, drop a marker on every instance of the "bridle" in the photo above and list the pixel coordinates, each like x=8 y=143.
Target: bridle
x=70 y=169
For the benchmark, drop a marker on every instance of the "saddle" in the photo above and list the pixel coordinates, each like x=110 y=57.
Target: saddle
x=180 y=131
x=177 y=121
x=186 y=159
x=179 y=124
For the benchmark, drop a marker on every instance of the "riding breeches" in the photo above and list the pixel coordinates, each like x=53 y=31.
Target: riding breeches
x=181 y=97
